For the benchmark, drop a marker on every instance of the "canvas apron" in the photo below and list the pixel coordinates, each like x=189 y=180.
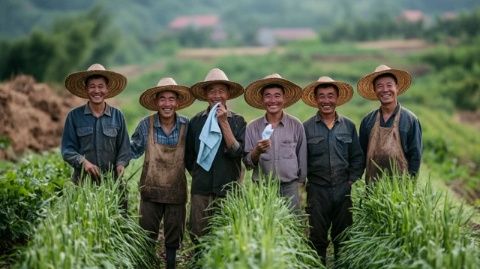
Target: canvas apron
x=385 y=152
x=163 y=177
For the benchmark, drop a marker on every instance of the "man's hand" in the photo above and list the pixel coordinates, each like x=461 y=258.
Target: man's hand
x=120 y=170
x=221 y=113
x=263 y=145
x=91 y=169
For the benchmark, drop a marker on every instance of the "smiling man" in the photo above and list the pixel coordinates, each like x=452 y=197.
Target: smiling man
x=335 y=162
x=283 y=155
x=391 y=136
x=223 y=166
x=95 y=139
x=163 y=184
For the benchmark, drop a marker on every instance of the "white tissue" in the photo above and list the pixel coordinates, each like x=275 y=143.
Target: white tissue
x=267 y=132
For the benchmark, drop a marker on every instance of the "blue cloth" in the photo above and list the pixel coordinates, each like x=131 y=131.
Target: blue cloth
x=210 y=139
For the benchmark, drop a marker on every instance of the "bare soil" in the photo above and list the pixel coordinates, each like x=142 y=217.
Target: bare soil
x=32 y=116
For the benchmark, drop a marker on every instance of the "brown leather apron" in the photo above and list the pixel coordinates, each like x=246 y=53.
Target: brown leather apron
x=163 y=177
x=385 y=153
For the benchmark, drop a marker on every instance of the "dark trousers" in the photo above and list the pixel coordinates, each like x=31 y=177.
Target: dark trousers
x=173 y=215
x=328 y=207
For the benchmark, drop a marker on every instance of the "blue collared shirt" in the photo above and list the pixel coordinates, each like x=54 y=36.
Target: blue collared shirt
x=140 y=136
x=102 y=141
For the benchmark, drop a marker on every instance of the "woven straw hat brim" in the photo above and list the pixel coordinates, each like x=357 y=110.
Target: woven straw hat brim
x=75 y=82
x=365 y=85
x=148 y=98
x=199 y=89
x=345 y=93
x=254 y=98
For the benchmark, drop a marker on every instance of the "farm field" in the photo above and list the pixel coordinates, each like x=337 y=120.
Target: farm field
x=48 y=222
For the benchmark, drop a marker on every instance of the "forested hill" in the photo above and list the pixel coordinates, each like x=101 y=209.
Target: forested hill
x=148 y=17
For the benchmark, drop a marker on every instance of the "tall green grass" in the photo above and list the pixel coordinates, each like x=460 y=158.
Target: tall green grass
x=254 y=228
x=400 y=224
x=87 y=229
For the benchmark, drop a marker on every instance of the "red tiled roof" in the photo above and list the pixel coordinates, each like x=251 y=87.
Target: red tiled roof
x=200 y=21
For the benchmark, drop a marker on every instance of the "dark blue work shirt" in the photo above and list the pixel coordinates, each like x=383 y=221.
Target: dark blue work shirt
x=102 y=141
x=410 y=135
x=334 y=156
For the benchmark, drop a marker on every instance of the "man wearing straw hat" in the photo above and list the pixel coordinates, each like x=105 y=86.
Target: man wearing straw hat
x=214 y=148
x=163 y=184
x=335 y=162
x=391 y=136
x=95 y=139
x=283 y=154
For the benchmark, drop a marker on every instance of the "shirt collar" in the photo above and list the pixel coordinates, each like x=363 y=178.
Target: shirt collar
x=108 y=110
x=282 y=120
x=395 y=111
x=318 y=118
x=178 y=120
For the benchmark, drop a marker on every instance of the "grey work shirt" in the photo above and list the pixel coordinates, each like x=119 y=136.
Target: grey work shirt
x=103 y=141
x=334 y=155
x=287 y=156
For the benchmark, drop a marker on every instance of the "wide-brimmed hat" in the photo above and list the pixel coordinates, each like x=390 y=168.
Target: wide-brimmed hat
x=253 y=94
x=345 y=91
x=216 y=75
x=366 y=88
x=148 y=97
x=75 y=82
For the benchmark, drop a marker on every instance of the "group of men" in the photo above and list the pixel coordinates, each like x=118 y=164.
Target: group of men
x=325 y=154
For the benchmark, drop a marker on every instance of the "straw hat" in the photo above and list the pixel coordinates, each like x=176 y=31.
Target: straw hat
x=75 y=82
x=216 y=75
x=253 y=95
x=148 y=97
x=345 y=91
x=365 y=85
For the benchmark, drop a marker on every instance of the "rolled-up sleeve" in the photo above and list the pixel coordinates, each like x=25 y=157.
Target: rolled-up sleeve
x=238 y=126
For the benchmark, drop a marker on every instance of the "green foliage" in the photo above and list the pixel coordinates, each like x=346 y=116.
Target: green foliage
x=401 y=224
x=256 y=229
x=87 y=229
x=52 y=55
x=26 y=191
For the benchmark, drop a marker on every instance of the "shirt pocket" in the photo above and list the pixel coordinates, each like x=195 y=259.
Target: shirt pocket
x=316 y=145
x=344 y=142
x=287 y=149
x=110 y=133
x=85 y=137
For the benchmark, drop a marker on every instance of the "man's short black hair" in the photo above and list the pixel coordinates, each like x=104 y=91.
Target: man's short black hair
x=385 y=75
x=325 y=85
x=95 y=76
x=273 y=85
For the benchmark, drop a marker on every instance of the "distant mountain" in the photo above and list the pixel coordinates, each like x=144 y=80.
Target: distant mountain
x=146 y=18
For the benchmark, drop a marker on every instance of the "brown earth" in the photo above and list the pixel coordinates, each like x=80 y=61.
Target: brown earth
x=32 y=116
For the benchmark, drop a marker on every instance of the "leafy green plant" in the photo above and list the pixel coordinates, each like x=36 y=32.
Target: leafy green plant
x=26 y=190
x=400 y=224
x=255 y=228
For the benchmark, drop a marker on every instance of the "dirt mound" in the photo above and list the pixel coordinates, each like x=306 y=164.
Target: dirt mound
x=32 y=116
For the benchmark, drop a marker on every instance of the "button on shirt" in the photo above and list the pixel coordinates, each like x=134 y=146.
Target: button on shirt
x=334 y=155
x=140 y=136
x=103 y=141
x=410 y=134
x=226 y=165
x=287 y=156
